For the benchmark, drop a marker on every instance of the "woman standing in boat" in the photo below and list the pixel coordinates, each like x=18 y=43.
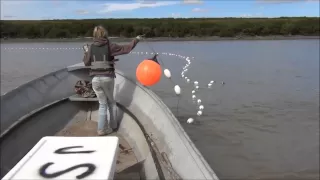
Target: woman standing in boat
x=100 y=57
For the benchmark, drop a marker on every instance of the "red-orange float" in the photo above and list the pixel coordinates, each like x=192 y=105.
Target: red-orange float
x=148 y=72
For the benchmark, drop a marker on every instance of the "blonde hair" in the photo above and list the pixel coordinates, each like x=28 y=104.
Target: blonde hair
x=100 y=32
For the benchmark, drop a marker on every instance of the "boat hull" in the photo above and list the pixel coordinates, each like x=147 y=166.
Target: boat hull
x=144 y=119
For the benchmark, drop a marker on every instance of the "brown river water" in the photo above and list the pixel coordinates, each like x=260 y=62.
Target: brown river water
x=262 y=124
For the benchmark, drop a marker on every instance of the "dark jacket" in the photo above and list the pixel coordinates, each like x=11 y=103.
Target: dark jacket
x=114 y=49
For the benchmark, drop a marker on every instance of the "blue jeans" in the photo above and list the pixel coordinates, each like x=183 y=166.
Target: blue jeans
x=103 y=87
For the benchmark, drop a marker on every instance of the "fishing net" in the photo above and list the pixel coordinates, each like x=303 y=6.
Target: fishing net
x=84 y=89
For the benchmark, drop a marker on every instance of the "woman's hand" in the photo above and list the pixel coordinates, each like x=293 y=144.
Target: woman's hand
x=139 y=37
x=85 y=48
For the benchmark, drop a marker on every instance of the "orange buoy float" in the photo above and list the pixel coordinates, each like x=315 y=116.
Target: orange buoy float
x=149 y=72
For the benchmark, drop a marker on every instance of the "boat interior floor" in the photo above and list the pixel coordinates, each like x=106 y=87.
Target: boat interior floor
x=127 y=165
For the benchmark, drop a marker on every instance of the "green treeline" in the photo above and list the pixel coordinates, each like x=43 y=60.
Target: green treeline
x=165 y=27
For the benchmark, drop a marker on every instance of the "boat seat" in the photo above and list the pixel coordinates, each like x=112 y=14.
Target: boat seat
x=76 y=97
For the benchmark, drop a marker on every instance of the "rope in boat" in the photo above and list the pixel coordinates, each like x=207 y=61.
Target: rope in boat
x=148 y=138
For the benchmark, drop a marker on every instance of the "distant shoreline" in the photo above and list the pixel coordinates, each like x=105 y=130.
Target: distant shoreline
x=161 y=39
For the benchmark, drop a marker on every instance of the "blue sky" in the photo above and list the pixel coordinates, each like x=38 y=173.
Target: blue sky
x=85 y=9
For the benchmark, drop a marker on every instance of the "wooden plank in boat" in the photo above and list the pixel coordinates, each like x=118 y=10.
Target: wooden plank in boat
x=76 y=97
x=69 y=158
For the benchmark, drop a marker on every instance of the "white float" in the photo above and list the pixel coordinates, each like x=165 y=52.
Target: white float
x=199 y=101
x=167 y=73
x=177 y=89
x=190 y=120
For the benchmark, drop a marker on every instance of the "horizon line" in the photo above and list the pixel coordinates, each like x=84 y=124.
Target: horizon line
x=167 y=18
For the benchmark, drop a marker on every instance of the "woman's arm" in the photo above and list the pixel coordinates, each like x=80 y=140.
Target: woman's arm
x=117 y=50
x=86 y=58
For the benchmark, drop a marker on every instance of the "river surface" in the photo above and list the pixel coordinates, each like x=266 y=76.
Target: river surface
x=263 y=123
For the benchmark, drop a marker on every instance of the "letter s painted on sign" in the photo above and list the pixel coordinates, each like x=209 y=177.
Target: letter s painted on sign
x=90 y=169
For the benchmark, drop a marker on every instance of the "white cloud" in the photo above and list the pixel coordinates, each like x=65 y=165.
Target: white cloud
x=199 y=10
x=192 y=1
x=12 y=9
x=110 y=7
x=8 y=3
x=146 y=1
x=251 y=15
x=176 y=15
x=245 y=15
x=279 y=1
x=311 y=1
x=9 y=16
x=82 y=11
